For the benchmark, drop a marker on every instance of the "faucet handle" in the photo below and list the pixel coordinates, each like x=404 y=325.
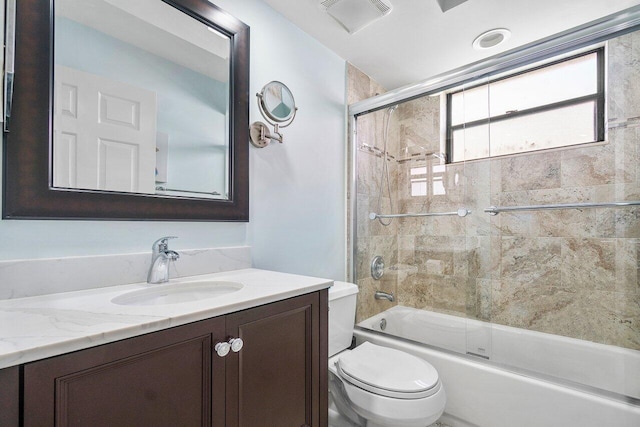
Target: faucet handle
x=162 y=244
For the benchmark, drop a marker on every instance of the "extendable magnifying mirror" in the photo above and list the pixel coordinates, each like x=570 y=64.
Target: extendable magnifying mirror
x=278 y=107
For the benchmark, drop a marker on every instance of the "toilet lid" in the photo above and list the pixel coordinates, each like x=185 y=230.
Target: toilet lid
x=388 y=372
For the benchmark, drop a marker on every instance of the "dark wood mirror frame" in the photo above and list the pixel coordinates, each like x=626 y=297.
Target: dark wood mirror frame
x=27 y=190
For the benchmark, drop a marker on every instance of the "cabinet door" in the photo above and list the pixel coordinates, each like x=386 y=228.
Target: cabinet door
x=10 y=397
x=165 y=378
x=275 y=380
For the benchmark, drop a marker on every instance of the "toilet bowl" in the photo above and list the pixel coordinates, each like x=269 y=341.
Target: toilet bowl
x=372 y=385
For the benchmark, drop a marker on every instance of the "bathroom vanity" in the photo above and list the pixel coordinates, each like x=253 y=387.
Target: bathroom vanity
x=175 y=375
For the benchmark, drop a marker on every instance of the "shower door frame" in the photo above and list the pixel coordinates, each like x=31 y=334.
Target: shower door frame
x=600 y=30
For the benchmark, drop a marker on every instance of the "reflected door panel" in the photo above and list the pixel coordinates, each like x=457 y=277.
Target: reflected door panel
x=104 y=133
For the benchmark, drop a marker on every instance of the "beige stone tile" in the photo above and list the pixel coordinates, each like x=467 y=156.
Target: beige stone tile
x=450 y=294
x=546 y=309
x=420 y=128
x=531 y=260
x=479 y=223
x=386 y=247
x=446 y=225
x=589 y=264
x=514 y=223
x=362 y=261
x=623 y=90
x=627 y=266
x=376 y=88
x=365 y=307
x=367 y=181
x=587 y=166
x=605 y=223
x=358 y=85
x=434 y=260
x=530 y=172
x=415 y=291
x=412 y=225
x=442 y=255
x=484 y=298
x=625 y=142
x=406 y=249
x=484 y=257
x=627 y=321
x=564 y=223
x=495 y=178
x=617 y=192
x=627 y=222
x=567 y=315
x=382 y=226
x=413 y=135
x=362 y=215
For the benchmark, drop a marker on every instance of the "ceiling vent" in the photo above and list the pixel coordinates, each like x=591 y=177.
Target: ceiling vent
x=354 y=15
x=445 y=5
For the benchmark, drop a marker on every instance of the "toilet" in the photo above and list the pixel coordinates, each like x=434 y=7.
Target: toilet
x=375 y=386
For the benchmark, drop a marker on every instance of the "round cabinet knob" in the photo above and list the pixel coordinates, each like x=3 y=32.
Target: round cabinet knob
x=222 y=348
x=236 y=344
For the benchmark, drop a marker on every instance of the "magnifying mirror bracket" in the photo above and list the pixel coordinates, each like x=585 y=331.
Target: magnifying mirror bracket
x=279 y=116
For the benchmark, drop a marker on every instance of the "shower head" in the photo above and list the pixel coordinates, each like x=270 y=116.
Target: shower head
x=392 y=108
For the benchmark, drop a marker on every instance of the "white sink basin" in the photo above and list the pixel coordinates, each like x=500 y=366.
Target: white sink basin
x=178 y=292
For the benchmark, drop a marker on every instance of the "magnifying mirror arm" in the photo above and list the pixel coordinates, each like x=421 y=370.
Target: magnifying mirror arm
x=276 y=131
x=276 y=135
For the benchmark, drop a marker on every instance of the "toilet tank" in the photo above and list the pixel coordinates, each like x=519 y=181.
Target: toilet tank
x=342 y=315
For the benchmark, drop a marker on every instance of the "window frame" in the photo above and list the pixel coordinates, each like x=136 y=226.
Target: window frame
x=598 y=97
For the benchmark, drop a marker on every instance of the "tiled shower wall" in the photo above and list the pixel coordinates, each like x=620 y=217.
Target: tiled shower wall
x=572 y=272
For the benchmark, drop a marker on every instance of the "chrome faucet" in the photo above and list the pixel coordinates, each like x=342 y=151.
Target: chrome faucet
x=161 y=258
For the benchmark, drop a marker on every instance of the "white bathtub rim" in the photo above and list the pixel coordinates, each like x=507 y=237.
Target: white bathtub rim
x=478 y=362
x=595 y=366
x=483 y=396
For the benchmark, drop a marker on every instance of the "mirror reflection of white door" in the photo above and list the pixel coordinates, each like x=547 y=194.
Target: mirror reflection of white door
x=104 y=133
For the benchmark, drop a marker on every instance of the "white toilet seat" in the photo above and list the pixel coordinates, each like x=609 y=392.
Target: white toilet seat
x=388 y=372
x=411 y=399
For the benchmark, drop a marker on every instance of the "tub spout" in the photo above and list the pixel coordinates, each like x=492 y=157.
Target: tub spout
x=384 y=295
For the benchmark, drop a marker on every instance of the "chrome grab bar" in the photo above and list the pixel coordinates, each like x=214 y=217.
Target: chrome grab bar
x=462 y=212
x=495 y=210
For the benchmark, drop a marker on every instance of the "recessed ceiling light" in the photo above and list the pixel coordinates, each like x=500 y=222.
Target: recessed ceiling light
x=491 y=38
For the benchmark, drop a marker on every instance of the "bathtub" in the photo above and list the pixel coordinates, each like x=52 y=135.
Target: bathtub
x=499 y=376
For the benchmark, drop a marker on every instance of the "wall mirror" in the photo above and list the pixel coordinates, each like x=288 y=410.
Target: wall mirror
x=128 y=110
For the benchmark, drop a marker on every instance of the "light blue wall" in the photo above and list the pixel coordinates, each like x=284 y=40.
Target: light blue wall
x=297 y=188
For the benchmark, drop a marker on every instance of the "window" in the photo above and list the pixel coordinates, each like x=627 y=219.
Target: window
x=553 y=105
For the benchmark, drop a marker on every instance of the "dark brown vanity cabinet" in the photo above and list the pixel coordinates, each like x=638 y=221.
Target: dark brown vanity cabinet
x=175 y=377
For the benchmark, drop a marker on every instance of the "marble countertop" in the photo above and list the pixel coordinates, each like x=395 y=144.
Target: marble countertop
x=37 y=327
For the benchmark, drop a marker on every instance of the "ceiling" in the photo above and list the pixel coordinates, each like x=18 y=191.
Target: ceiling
x=417 y=40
